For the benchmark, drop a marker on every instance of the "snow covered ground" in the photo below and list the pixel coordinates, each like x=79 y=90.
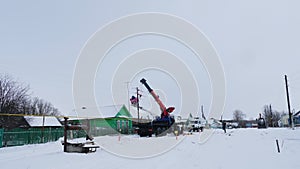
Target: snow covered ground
x=239 y=148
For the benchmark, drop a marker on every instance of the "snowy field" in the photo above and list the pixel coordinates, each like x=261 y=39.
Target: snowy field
x=239 y=148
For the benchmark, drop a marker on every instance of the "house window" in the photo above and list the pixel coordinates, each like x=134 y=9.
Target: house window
x=118 y=124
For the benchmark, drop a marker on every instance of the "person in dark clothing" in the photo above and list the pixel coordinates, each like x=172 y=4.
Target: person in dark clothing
x=224 y=126
x=88 y=137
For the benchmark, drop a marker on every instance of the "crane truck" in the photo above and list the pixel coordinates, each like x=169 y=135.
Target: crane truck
x=161 y=124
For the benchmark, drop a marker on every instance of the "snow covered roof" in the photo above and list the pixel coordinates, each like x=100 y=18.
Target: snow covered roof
x=114 y=111
x=35 y=121
x=103 y=112
x=109 y=111
x=297 y=114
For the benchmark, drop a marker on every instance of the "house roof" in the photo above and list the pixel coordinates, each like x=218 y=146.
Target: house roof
x=123 y=112
x=114 y=111
x=34 y=121
x=108 y=112
x=298 y=113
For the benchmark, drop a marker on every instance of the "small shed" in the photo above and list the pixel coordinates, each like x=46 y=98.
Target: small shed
x=284 y=121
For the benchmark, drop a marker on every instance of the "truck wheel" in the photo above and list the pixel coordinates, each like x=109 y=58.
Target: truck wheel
x=164 y=131
x=158 y=132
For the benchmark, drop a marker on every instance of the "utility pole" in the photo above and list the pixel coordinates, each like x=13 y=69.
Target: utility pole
x=202 y=112
x=272 y=123
x=288 y=100
x=65 y=134
x=138 y=104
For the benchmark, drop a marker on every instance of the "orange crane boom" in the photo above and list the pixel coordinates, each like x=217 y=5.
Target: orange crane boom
x=165 y=111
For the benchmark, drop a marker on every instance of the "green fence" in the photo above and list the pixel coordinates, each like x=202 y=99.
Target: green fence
x=1 y=137
x=19 y=136
x=24 y=136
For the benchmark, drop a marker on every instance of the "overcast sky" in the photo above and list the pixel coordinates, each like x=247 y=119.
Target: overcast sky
x=257 y=42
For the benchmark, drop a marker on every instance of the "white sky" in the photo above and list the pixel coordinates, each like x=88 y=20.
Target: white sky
x=257 y=41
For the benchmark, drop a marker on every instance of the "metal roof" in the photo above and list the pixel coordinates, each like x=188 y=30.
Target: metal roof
x=35 y=121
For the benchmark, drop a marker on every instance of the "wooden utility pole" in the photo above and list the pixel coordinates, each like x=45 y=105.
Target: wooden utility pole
x=138 y=104
x=65 y=133
x=288 y=100
x=202 y=112
x=271 y=113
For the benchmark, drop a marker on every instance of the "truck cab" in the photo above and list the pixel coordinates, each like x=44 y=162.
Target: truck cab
x=196 y=124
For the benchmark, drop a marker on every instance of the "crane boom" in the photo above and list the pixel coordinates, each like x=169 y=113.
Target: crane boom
x=165 y=111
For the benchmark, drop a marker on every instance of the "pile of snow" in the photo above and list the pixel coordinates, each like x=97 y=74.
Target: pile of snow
x=238 y=148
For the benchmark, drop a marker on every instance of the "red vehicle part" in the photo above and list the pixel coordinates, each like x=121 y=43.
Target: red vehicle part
x=165 y=111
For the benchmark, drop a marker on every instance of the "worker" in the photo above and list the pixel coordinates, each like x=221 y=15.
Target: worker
x=88 y=137
x=224 y=126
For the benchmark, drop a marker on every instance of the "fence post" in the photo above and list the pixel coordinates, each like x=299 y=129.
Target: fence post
x=278 y=149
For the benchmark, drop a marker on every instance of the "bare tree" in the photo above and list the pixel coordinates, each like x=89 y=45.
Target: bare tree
x=13 y=98
x=41 y=107
x=239 y=116
x=271 y=117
